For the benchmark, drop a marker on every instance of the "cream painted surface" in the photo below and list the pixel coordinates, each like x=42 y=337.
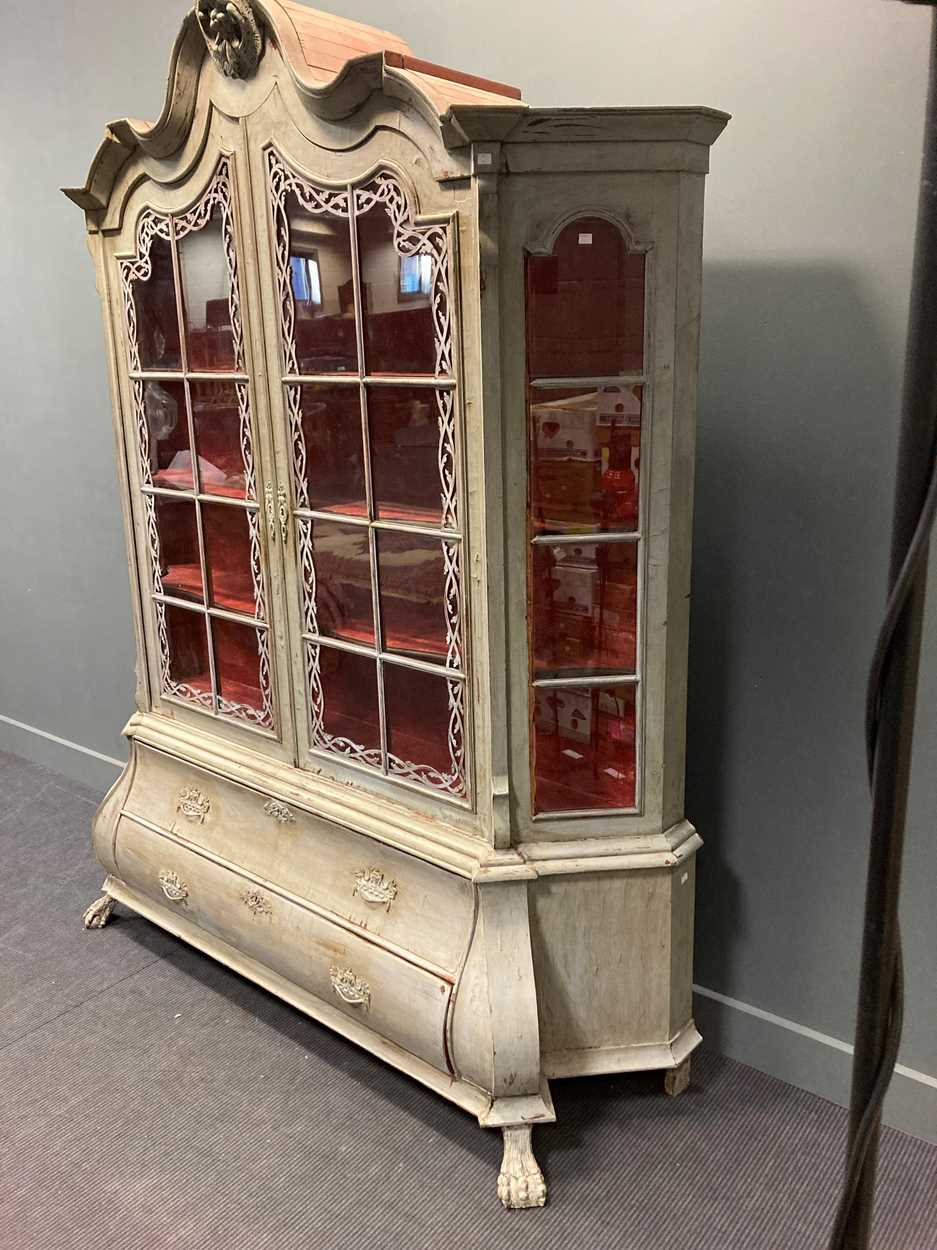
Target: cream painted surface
x=482 y=945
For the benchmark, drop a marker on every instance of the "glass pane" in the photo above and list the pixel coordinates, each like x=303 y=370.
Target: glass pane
x=342 y=562
x=584 y=599
x=404 y=429
x=206 y=290
x=217 y=421
x=396 y=298
x=348 y=708
x=323 y=295
x=188 y=651
x=584 y=748
x=179 y=564
x=411 y=576
x=585 y=305
x=585 y=450
x=168 y=426
x=334 y=461
x=238 y=668
x=226 y=529
x=417 y=709
x=155 y=305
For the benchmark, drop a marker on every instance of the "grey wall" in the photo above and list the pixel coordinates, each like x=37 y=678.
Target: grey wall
x=810 y=219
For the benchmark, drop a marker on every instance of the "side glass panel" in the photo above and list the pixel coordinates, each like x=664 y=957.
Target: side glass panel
x=375 y=489
x=196 y=459
x=585 y=320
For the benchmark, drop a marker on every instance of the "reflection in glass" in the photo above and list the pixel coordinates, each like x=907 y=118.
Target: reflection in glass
x=217 y=421
x=323 y=294
x=188 y=648
x=179 y=564
x=584 y=601
x=404 y=431
x=157 y=320
x=417 y=708
x=584 y=459
x=411 y=576
x=396 y=298
x=206 y=290
x=585 y=305
x=341 y=557
x=331 y=421
x=226 y=532
x=168 y=429
x=237 y=664
x=349 y=698
x=584 y=748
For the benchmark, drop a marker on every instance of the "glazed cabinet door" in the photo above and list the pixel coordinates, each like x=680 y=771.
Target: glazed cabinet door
x=207 y=518
x=360 y=322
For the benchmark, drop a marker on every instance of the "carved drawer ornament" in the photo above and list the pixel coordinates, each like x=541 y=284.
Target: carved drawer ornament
x=257 y=903
x=374 y=887
x=279 y=811
x=173 y=886
x=232 y=35
x=350 y=988
x=193 y=804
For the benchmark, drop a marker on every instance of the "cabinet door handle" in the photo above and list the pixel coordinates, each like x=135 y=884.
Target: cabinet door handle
x=271 y=513
x=283 y=512
x=173 y=886
x=374 y=887
x=350 y=988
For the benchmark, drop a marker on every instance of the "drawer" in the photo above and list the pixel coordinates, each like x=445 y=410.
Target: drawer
x=420 y=908
x=395 y=998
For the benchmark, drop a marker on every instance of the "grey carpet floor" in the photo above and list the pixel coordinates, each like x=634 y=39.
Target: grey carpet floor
x=153 y=1099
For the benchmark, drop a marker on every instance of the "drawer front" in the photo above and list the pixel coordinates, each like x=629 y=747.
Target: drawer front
x=395 y=998
x=422 y=909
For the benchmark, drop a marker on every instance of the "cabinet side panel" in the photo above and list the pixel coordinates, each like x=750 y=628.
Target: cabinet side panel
x=682 y=908
x=601 y=944
x=682 y=461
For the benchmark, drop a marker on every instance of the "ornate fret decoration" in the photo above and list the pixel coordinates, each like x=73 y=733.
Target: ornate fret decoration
x=374 y=887
x=232 y=35
x=218 y=199
x=350 y=988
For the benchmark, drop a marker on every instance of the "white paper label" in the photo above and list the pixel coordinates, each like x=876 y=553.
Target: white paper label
x=573 y=755
x=484 y=158
x=585 y=238
x=613 y=772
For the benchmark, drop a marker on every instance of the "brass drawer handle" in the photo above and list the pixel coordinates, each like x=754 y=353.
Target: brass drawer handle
x=279 y=811
x=173 y=886
x=193 y=804
x=350 y=988
x=374 y=887
x=256 y=903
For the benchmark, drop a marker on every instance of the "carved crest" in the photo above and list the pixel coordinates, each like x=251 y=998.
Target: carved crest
x=257 y=903
x=279 y=811
x=232 y=35
x=374 y=887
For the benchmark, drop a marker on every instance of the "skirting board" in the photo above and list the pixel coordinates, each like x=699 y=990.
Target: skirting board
x=814 y=1061
x=779 y=1047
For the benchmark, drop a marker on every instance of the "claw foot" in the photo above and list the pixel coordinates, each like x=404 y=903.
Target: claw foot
x=677 y=1079
x=99 y=913
x=520 y=1182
